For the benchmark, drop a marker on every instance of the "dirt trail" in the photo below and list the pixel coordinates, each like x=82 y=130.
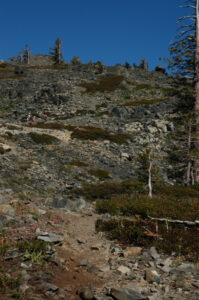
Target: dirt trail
x=83 y=252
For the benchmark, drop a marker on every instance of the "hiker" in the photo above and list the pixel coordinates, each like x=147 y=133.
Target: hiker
x=44 y=117
x=33 y=118
x=29 y=117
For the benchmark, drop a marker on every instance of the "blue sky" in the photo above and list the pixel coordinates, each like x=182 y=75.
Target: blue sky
x=113 y=31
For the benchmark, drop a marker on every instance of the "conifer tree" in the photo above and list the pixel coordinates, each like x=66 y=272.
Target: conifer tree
x=56 y=51
x=26 y=54
x=185 y=62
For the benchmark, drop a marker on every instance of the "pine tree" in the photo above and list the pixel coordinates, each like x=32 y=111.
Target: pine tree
x=56 y=51
x=26 y=54
x=185 y=62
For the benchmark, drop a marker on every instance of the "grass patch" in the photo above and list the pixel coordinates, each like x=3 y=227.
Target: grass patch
x=184 y=242
x=100 y=174
x=33 y=249
x=94 y=133
x=10 y=285
x=12 y=76
x=180 y=203
x=42 y=125
x=77 y=163
x=107 y=83
x=144 y=86
x=43 y=138
x=3 y=249
x=6 y=68
x=144 y=102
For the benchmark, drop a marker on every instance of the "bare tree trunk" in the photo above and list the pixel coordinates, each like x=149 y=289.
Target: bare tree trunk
x=196 y=108
x=150 y=176
x=59 y=53
x=188 y=174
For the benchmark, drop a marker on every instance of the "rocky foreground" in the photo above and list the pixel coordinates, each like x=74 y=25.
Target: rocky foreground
x=85 y=131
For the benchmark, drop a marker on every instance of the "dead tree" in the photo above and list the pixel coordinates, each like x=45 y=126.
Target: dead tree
x=150 y=164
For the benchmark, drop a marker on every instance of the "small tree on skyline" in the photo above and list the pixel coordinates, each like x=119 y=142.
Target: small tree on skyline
x=26 y=54
x=56 y=51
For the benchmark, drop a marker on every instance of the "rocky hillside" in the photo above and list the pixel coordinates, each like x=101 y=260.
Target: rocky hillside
x=89 y=130
x=107 y=120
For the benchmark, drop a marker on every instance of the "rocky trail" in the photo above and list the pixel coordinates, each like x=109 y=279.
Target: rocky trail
x=82 y=263
x=113 y=117
x=96 y=268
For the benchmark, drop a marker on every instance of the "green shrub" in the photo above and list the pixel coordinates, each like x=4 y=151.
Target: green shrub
x=77 y=163
x=95 y=133
x=180 y=203
x=100 y=174
x=8 y=283
x=43 y=138
x=144 y=102
x=3 y=249
x=32 y=246
x=106 y=83
x=106 y=190
x=42 y=125
x=184 y=242
x=12 y=76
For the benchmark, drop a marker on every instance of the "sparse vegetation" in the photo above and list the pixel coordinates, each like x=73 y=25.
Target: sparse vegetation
x=144 y=102
x=11 y=76
x=77 y=163
x=10 y=285
x=106 y=190
x=42 y=125
x=146 y=234
x=164 y=204
x=33 y=249
x=43 y=138
x=94 y=133
x=107 y=83
x=100 y=174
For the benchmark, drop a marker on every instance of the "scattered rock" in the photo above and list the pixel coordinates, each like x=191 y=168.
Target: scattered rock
x=126 y=294
x=83 y=263
x=124 y=270
x=153 y=252
x=51 y=238
x=6 y=209
x=133 y=251
x=152 y=276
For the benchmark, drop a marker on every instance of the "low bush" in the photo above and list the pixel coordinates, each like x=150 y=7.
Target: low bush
x=9 y=284
x=42 y=125
x=77 y=163
x=32 y=246
x=184 y=242
x=11 y=76
x=43 y=138
x=106 y=83
x=100 y=174
x=107 y=190
x=180 y=203
x=144 y=102
x=95 y=133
